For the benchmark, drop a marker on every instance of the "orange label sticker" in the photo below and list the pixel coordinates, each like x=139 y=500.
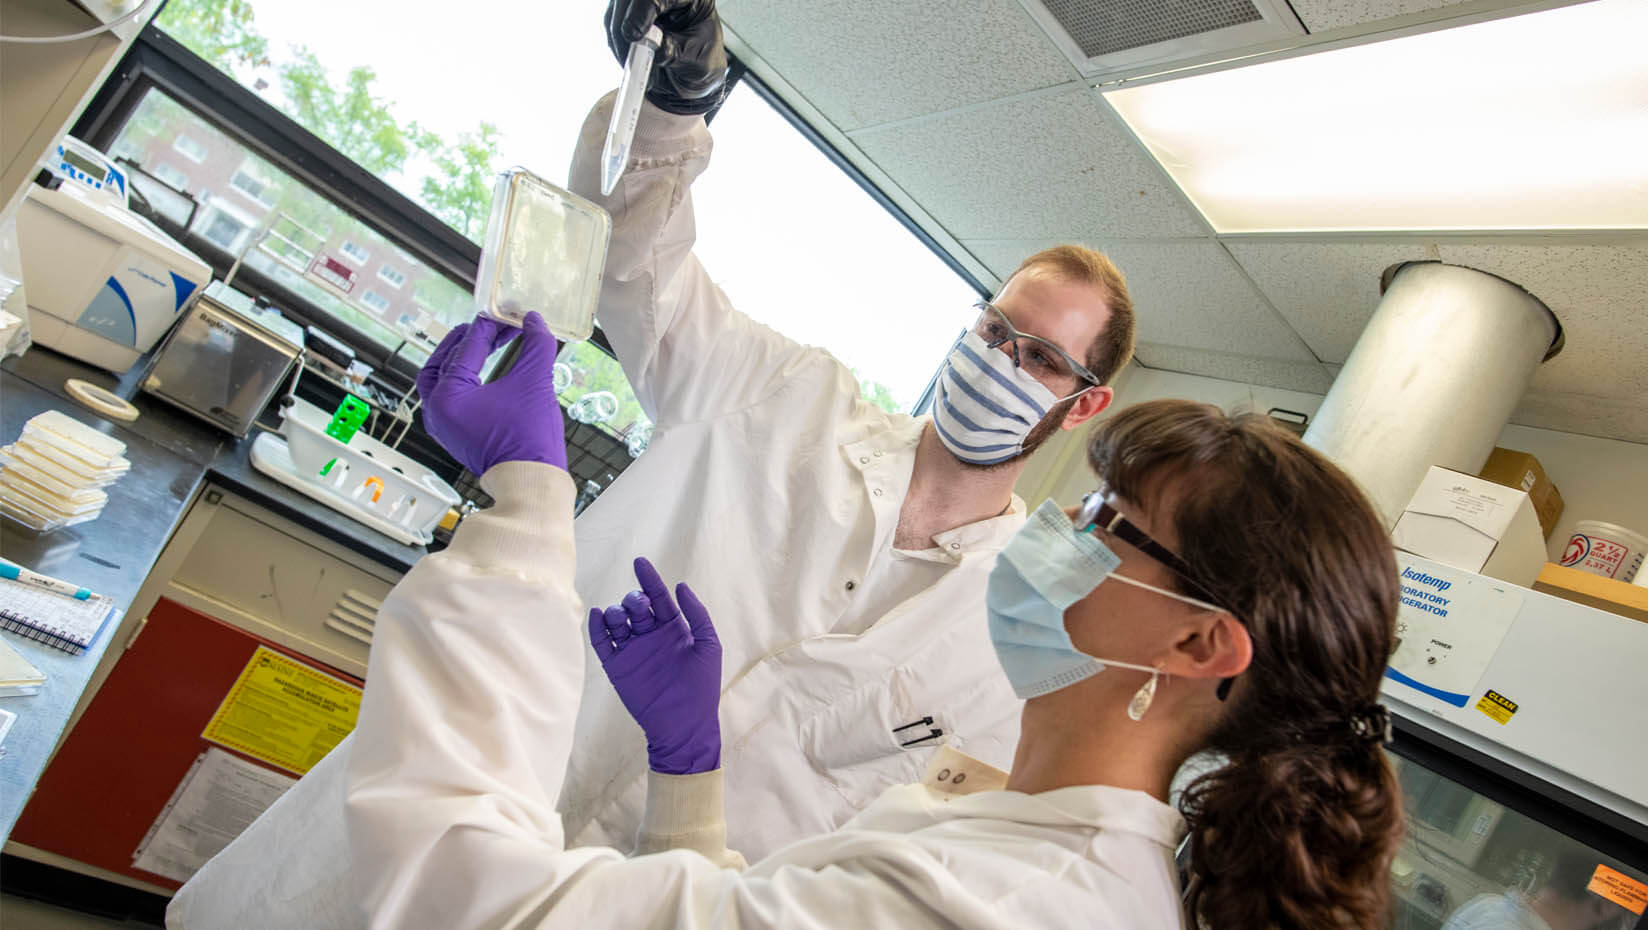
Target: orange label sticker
x=1619 y=888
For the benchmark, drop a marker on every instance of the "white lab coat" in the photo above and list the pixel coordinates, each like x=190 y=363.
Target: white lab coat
x=1508 y=911
x=774 y=489
x=464 y=734
x=769 y=486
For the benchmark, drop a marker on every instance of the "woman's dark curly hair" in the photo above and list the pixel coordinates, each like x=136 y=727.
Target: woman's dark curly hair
x=1297 y=830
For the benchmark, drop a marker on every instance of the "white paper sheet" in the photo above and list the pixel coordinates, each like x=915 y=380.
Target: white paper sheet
x=219 y=797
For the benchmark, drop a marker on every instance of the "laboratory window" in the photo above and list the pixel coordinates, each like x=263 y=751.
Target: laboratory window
x=592 y=385
x=392 y=275
x=123 y=150
x=222 y=229
x=354 y=251
x=170 y=174
x=1468 y=861
x=248 y=182
x=888 y=307
x=190 y=148
x=376 y=99
x=375 y=300
x=304 y=240
x=774 y=207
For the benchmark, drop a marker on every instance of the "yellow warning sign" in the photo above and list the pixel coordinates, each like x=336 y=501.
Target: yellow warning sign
x=1619 y=888
x=284 y=712
x=1497 y=706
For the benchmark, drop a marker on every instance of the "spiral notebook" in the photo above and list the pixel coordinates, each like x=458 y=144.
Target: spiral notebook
x=52 y=619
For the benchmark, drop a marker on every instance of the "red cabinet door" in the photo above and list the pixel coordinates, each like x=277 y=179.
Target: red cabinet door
x=137 y=739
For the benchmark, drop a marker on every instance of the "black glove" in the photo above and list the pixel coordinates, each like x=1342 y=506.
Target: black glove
x=689 y=72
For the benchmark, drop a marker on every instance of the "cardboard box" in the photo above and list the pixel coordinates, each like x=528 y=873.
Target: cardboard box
x=1473 y=524
x=1627 y=600
x=1522 y=471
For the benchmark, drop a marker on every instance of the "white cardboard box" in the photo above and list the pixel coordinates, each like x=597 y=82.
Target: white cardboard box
x=1473 y=524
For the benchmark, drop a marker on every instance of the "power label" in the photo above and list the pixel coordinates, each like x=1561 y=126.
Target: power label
x=1497 y=706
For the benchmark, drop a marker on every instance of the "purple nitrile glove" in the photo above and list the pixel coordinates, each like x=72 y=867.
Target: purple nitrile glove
x=515 y=418
x=431 y=371
x=665 y=665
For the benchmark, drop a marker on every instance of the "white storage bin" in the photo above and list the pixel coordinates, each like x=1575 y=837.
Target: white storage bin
x=365 y=472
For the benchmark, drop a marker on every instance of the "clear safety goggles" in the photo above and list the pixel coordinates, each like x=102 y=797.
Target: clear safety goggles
x=1043 y=360
x=1098 y=513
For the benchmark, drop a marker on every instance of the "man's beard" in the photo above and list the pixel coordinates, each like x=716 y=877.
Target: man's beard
x=1044 y=429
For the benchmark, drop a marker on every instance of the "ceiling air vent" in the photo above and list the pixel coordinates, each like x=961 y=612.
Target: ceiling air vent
x=1111 y=37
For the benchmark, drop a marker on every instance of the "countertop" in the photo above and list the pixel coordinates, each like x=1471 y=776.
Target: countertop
x=172 y=456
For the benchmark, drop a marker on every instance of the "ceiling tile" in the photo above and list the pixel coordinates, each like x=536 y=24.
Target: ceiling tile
x=1187 y=293
x=1055 y=165
x=1309 y=377
x=863 y=62
x=1600 y=293
x=1326 y=291
x=1322 y=15
x=1590 y=416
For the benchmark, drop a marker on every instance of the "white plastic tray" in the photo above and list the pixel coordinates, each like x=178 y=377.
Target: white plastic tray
x=99 y=450
x=364 y=475
x=273 y=456
x=42 y=455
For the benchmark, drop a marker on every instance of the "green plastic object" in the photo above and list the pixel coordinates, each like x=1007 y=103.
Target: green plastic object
x=348 y=418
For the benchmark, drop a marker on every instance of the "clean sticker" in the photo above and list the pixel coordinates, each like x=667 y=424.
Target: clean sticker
x=1497 y=706
x=1619 y=888
x=284 y=712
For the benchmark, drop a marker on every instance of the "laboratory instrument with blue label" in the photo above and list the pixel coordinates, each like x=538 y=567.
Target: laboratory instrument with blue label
x=74 y=162
x=103 y=284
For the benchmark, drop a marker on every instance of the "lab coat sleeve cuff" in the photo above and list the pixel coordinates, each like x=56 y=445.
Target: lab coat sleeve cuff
x=529 y=528
x=686 y=812
x=660 y=133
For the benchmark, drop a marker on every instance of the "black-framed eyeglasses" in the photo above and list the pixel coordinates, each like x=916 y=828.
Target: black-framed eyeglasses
x=1041 y=358
x=1096 y=511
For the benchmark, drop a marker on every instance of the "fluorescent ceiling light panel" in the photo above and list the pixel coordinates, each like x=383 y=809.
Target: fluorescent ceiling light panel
x=1537 y=121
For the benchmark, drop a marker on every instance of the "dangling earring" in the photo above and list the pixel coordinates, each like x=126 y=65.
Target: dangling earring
x=1143 y=697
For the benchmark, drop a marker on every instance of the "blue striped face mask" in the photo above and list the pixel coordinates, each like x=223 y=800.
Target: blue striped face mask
x=986 y=405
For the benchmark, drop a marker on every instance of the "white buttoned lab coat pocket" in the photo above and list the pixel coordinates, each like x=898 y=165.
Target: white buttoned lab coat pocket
x=854 y=741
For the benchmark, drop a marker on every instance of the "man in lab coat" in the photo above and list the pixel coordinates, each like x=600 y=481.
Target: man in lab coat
x=844 y=550
x=1563 y=901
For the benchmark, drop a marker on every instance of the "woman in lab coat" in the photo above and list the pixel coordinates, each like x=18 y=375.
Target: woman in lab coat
x=1230 y=591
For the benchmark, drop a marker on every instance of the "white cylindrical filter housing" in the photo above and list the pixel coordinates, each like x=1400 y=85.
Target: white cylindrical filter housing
x=1433 y=378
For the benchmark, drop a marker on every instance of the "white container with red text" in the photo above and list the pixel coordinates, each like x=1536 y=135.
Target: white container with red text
x=1606 y=549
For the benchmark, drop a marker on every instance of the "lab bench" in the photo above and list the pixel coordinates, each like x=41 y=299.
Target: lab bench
x=193 y=534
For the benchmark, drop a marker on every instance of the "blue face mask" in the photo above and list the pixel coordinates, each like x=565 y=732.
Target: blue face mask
x=1046 y=567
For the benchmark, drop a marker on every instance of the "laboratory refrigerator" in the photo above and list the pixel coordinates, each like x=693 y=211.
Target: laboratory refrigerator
x=1521 y=744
